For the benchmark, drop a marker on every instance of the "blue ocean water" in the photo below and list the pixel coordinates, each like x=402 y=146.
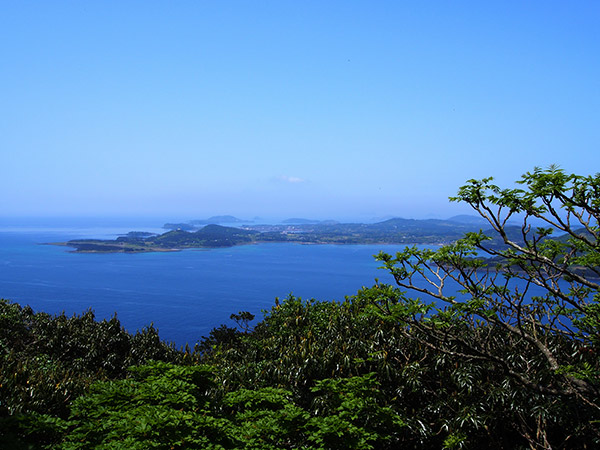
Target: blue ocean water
x=184 y=294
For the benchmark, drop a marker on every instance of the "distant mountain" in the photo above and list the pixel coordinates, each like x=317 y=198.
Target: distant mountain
x=381 y=219
x=218 y=220
x=208 y=236
x=179 y=226
x=402 y=224
x=470 y=220
x=194 y=225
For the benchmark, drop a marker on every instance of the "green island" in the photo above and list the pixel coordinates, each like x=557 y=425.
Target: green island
x=407 y=365
x=393 y=231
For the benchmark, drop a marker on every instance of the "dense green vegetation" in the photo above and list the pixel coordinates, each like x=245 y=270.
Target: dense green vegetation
x=48 y=361
x=403 y=366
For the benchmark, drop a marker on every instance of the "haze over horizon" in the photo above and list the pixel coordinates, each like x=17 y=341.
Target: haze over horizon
x=323 y=110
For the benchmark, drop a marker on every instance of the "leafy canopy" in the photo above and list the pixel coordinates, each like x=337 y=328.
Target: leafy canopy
x=527 y=303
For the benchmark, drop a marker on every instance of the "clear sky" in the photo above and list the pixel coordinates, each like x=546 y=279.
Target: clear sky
x=319 y=109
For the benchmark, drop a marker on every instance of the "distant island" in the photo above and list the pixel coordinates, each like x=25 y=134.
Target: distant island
x=392 y=231
x=198 y=223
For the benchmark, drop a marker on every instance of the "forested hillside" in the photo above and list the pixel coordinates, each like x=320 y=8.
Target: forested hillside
x=406 y=366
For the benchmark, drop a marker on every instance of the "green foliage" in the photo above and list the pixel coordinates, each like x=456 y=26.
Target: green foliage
x=243 y=319
x=544 y=347
x=299 y=342
x=47 y=361
x=162 y=406
x=265 y=418
x=381 y=387
x=353 y=414
x=169 y=406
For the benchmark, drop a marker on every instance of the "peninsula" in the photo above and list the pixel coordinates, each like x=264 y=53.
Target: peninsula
x=393 y=231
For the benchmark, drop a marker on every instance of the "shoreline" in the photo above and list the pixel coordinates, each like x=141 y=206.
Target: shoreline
x=126 y=250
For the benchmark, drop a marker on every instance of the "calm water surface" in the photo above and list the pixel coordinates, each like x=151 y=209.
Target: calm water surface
x=184 y=294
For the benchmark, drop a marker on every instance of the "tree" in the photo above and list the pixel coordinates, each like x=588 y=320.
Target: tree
x=527 y=305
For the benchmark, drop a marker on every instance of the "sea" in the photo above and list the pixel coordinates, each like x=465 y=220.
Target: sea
x=183 y=294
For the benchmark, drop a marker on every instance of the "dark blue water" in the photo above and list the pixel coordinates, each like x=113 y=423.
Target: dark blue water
x=184 y=294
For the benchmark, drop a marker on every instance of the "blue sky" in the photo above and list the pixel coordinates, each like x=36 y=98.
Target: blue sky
x=338 y=109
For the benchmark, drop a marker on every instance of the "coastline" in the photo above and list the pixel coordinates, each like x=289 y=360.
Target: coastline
x=134 y=250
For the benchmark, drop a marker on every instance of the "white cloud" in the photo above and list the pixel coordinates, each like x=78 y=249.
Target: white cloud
x=288 y=179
